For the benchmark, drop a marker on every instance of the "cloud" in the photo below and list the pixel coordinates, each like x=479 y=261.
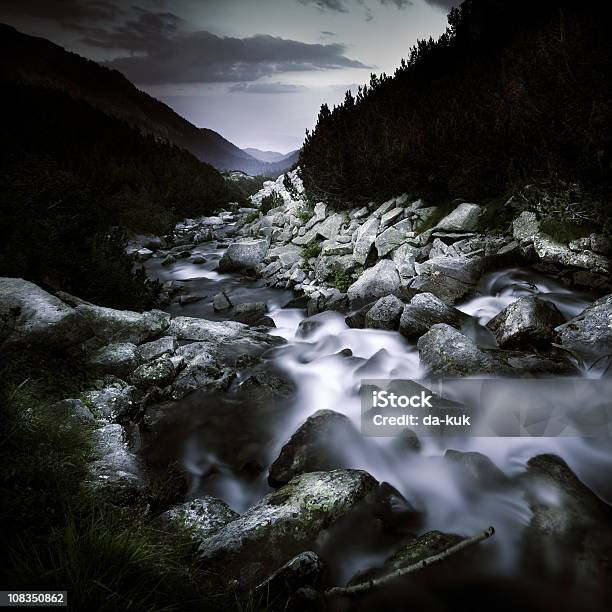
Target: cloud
x=340 y=6
x=445 y=4
x=60 y=10
x=266 y=88
x=327 y=34
x=202 y=57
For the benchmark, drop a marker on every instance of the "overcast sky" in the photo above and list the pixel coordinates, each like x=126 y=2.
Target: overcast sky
x=256 y=71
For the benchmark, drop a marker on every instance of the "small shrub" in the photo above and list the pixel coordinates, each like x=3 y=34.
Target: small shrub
x=251 y=217
x=271 y=201
x=311 y=250
x=305 y=214
x=342 y=280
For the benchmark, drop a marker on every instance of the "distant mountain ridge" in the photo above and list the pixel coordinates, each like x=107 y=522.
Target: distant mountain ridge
x=39 y=62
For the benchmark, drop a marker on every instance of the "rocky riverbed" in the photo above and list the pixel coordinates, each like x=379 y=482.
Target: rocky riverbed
x=243 y=386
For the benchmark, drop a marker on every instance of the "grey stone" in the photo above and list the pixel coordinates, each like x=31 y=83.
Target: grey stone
x=449 y=278
x=327 y=266
x=478 y=467
x=444 y=350
x=304 y=570
x=390 y=217
x=117 y=472
x=250 y=312
x=410 y=553
x=152 y=350
x=525 y=227
x=222 y=301
x=168 y=260
x=393 y=237
x=202 y=516
x=118 y=358
x=29 y=315
x=317 y=445
x=385 y=314
x=116 y=401
x=124 y=325
x=426 y=310
x=600 y=244
x=331 y=226
x=381 y=280
x=202 y=372
x=550 y=251
x=529 y=321
x=271 y=269
x=244 y=255
x=366 y=235
x=284 y=523
x=384 y=208
x=589 y=335
x=77 y=413
x=569 y=532
x=336 y=248
x=463 y=219
x=287 y=255
x=159 y=373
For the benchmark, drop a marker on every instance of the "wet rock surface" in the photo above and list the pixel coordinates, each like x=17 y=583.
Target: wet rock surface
x=284 y=523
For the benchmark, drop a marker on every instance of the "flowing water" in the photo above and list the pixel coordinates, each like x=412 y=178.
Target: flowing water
x=216 y=440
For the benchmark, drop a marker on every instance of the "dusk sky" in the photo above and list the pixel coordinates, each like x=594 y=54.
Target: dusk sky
x=256 y=71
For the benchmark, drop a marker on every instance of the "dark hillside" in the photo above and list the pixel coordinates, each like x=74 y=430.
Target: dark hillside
x=74 y=179
x=514 y=90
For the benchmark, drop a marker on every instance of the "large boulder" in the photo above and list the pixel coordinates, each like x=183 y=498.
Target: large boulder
x=529 y=321
x=393 y=237
x=570 y=531
x=445 y=351
x=124 y=325
x=385 y=314
x=158 y=372
x=202 y=372
x=589 y=335
x=31 y=316
x=410 y=553
x=244 y=255
x=449 y=278
x=284 y=523
x=118 y=358
x=525 y=227
x=316 y=445
x=381 y=280
x=117 y=472
x=115 y=401
x=463 y=219
x=551 y=251
x=426 y=310
x=201 y=516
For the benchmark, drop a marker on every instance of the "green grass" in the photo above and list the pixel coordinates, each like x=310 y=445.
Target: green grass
x=55 y=534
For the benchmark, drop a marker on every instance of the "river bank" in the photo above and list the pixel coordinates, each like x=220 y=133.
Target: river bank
x=247 y=392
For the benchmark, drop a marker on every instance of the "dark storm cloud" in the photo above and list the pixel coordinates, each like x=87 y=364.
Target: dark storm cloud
x=341 y=6
x=266 y=88
x=202 y=57
x=61 y=10
x=144 y=31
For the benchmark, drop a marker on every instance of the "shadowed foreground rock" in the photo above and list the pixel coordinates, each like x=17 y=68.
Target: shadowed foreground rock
x=318 y=444
x=570 y=533
x=284 y=523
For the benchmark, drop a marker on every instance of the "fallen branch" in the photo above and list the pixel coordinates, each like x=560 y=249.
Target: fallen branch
x=403 y=571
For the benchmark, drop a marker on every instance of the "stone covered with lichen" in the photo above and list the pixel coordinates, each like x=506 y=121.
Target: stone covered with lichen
x=284 y=523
